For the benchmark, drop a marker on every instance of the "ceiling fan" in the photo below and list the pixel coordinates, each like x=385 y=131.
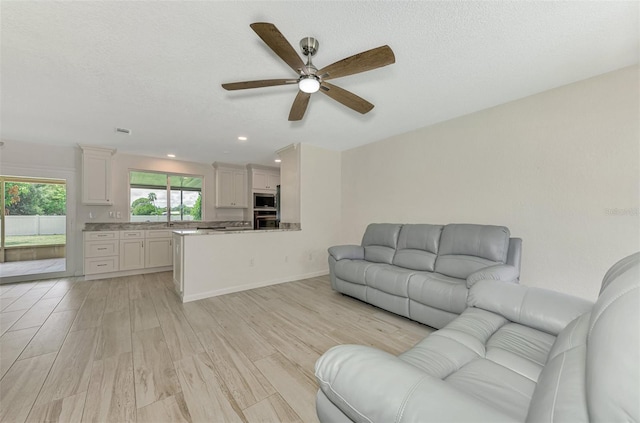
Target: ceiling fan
x=310 y=79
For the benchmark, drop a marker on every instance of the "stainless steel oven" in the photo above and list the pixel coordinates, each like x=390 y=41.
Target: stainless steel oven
x=265 y=219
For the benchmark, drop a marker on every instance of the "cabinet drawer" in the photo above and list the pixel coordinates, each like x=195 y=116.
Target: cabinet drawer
x=159 y=234
x=100 y=265
x=131 y=234
x=100 y=248
x=101 y=235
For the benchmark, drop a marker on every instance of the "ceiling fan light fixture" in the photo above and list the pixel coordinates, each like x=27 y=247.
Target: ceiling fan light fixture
x=309 y=84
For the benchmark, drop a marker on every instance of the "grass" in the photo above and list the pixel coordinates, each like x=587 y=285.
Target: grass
x=34 y=240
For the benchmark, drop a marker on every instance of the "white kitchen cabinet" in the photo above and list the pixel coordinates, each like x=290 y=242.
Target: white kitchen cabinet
x=264 y=180
x=158 y=249
x=231 y=187
x=101 y=252
x=120 y=253
x=131 y=254
x=96 y=175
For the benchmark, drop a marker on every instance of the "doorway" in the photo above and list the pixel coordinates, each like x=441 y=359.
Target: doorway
x=33 y=226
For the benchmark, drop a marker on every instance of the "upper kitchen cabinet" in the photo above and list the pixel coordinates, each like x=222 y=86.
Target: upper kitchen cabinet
x=264 y=179
x=231 y=186
x=96 y=175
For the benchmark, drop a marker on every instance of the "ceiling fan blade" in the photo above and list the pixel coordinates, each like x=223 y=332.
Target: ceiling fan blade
x=257 y=84
x=280 y=46
x=299 y=106
x=361 y=62
x=347 y=98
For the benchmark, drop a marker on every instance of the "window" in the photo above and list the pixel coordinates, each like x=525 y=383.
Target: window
x=164 y=197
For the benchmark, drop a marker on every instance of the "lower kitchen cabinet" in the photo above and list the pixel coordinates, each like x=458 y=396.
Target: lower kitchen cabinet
x=119 y=253
x=158 y=252
x=131 y=254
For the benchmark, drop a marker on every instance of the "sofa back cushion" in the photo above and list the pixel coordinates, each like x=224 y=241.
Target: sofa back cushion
x=380 y=241
x=465 y=249
x=418 y=246
x=613 y=343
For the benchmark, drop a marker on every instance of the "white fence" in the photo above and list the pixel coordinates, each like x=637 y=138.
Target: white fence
x=35 y=225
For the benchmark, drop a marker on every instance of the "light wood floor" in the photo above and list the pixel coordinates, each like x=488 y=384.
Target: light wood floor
x=126 y=349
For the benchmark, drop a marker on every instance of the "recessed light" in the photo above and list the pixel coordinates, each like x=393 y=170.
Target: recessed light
x=242 y=138
x=171 y=155
x=277 y=160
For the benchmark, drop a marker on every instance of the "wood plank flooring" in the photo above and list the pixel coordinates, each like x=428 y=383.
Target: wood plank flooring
x=126 y=349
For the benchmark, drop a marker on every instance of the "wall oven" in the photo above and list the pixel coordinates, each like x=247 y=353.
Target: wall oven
x=264 y=219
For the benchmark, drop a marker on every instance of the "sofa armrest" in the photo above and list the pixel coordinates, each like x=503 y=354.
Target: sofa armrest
x=499 y=272
x=353 y=252
x=515 y=252
x=542 y=309
x=369 y=385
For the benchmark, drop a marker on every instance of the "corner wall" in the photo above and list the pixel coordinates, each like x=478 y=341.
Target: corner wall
x=560 y=169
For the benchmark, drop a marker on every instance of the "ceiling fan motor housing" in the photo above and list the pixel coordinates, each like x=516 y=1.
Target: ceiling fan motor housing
x=309 y=46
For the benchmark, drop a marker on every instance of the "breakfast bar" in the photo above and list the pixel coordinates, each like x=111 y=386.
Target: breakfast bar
x=208 y=263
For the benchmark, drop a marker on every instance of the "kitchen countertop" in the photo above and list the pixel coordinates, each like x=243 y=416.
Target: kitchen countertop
x=185 y=225
x=189 y=232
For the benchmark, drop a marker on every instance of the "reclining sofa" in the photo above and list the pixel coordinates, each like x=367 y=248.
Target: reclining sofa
x=422 y=271
x=516 y=354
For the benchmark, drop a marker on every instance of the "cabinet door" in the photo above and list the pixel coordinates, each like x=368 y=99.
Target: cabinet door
x=231 y=188
x=158 y=252
x=224 y=188
x=131 y=254
x=273 y=180
x=96 y=177
x=240 y=189
x=260 y=180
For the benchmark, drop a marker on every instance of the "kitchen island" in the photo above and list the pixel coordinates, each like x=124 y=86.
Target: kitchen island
x=208 y=263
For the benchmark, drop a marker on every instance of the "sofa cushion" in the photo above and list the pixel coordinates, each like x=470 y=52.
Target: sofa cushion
x=465 y=249
x=352 y=270
x=388 y=278
x=418 y=246
x=439 y=291
x=484 y=355
x=545 y=310
x=380 y=241
x=495 y=385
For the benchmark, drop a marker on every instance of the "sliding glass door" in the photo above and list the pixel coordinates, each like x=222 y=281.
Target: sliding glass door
x=33 y=226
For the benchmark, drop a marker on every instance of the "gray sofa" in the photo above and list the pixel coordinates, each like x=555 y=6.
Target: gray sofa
x=516 y=354
x=422 y=271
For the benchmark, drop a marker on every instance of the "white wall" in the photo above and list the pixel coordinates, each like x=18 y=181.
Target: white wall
x=320 y=202
x=290 y=184
x=551 y=167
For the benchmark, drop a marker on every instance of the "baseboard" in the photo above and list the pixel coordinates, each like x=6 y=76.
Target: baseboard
x=217 y=292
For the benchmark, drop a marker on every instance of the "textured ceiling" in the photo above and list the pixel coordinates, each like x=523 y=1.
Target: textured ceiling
x=73 y=71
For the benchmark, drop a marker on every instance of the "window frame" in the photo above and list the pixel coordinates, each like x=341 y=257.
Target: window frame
x=168 y=176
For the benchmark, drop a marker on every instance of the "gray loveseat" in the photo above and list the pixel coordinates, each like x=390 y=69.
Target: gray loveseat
x=422 y=271
x=516 y=354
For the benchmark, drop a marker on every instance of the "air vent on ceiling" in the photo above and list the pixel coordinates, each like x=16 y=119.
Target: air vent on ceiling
x=123 y=131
